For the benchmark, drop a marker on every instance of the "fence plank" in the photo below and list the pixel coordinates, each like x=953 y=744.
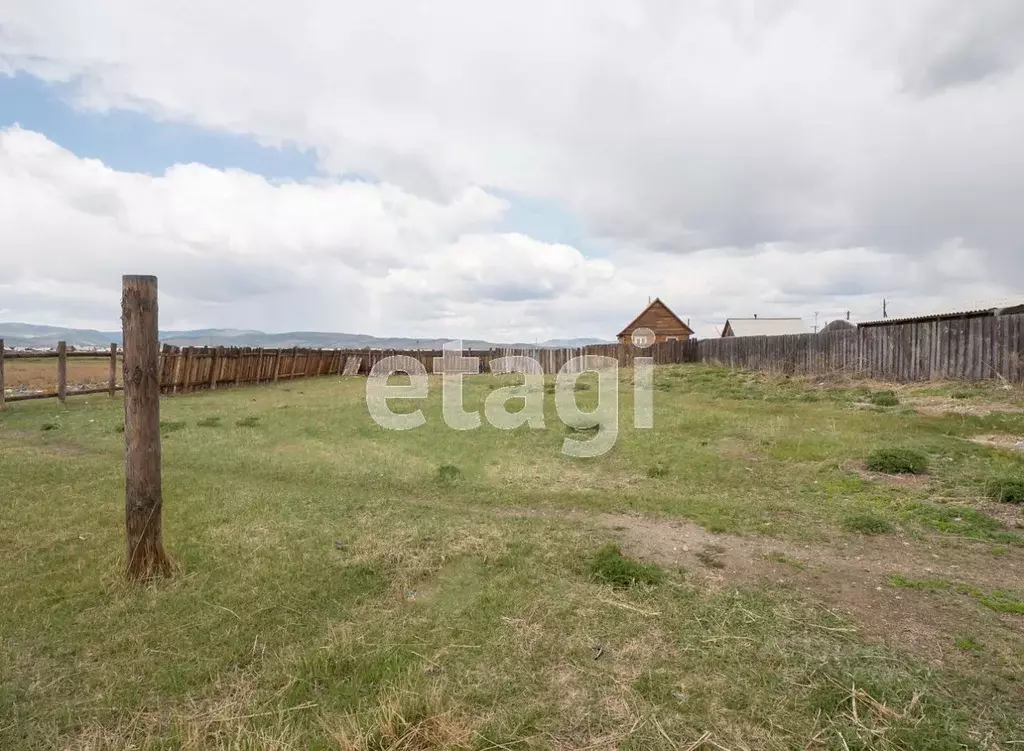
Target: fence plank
x=62 y=371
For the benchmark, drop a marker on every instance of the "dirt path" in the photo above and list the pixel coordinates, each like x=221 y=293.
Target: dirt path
x=850 y=577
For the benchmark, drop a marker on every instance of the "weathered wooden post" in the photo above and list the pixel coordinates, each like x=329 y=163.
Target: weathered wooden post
x=143 y=494
x=1 y=374
x=62 y=371
x=112 y=385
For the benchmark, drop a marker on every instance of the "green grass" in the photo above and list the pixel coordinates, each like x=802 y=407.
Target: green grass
x=999 y=600
x=1007 y=489
x=897 y=461
x=658 y=469
x=449 y=473
x=868 y=524
x=608 y=565
x=336 y=589
x=885 y=399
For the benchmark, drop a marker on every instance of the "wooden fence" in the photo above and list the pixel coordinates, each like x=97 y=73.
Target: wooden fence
x=185 y=369
x=61 y=355
x=956 y=349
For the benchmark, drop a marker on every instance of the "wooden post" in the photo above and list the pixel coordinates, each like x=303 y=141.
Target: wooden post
x=277 y=364
x=2 y=399
x=214 y=364
x=112 y=385
x=143 y=494
x=62 y=371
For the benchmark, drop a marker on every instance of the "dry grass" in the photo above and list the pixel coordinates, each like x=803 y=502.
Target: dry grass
x=334 y=592
x=41 y=373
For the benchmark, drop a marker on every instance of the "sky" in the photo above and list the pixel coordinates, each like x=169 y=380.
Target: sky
x=508 y=171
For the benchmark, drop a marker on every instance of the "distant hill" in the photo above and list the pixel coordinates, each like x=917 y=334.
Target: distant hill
x=31 y=336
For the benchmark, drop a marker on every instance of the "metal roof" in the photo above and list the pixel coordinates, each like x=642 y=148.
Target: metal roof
x=978 y=310
x=766 y=326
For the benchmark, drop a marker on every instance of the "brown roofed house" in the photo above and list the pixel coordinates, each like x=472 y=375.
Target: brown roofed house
x=657 y=317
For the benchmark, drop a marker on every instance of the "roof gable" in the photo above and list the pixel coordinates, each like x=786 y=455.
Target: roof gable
x=655 y=303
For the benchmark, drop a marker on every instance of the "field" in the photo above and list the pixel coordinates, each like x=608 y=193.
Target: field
x=735 y=578
x=41 y=372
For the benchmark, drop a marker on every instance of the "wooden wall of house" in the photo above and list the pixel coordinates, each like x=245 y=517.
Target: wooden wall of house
x=660 y=320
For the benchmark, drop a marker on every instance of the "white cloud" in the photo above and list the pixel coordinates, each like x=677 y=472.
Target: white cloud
x=790 y=155
x=232 y=249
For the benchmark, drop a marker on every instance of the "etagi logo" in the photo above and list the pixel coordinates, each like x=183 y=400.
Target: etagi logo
x=453 y=366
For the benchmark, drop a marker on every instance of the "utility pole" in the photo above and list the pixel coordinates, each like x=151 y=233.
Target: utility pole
x=815 y=322
x=885 y=308
x=847 y=315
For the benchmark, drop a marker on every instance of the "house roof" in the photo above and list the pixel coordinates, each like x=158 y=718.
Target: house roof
x=765 y=326
x=655 y=301
x=975 y=310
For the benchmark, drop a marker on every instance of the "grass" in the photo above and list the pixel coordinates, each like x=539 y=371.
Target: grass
x=999 y=600
x=448 y=473
x=658 y=469
x=41 y=372
x=897 y=461
x=608 y=565
x=1007 y=489
x=868 y=524
x=885 y=399
x=337 y=591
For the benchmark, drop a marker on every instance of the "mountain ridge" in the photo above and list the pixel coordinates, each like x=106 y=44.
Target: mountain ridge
x=37 y=336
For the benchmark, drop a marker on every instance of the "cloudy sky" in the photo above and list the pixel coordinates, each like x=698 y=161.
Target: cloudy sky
x=513 y=171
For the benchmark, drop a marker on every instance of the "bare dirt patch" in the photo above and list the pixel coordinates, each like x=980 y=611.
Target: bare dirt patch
x=851 y=576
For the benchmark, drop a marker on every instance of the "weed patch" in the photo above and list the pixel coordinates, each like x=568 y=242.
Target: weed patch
x=213 y=421
x=170 y=426
x=867 y=524
x=898 y=461
x=658 y=469
x=448 y=474
x=961 y=520
x=885 y=399
x=610 y=566
x=1007 y=490
x=250 y=421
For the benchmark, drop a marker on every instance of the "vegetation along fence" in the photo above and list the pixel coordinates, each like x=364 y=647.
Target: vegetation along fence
x=961 y=349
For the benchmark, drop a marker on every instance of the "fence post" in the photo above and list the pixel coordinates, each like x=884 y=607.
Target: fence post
x=112 y=381
x=277 y=364
x=62 y=371
x=2 y=374
x=143 y=494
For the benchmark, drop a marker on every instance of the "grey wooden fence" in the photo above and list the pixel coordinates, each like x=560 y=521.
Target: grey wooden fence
x=968 y=349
